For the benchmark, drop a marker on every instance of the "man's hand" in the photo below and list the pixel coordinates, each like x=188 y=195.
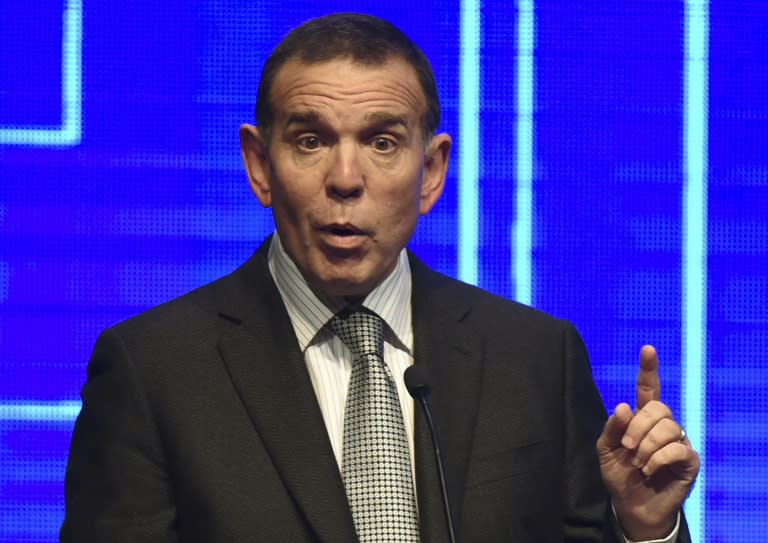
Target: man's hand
x=647 y=463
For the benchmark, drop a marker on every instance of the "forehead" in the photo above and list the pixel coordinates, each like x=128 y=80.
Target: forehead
x=345 y=85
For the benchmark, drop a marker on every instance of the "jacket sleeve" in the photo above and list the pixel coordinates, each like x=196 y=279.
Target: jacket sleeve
x=587 y=512
x=116 y=485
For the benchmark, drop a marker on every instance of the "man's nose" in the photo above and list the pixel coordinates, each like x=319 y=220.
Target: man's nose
x=345 y=178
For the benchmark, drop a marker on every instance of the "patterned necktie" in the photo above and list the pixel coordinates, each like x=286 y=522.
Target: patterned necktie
x=376 y=462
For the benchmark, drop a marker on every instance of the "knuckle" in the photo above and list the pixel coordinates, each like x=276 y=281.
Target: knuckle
x=672 y=428
x=644 y=413
x=653 y=440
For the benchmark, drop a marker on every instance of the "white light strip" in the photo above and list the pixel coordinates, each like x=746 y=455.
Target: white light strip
x=524 y=154
x=70 y=131
x=469 y=140
x=48 y=411
x=694 y=276
x=72 y=73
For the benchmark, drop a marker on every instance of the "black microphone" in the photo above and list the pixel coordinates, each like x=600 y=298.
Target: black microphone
x=418 y=387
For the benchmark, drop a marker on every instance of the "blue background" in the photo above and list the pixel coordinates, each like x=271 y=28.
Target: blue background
x=153 y=201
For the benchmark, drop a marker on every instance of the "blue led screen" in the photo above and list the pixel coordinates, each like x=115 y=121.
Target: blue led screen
x=618 y=151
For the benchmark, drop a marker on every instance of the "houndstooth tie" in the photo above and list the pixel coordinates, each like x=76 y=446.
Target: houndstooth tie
x=376 y=463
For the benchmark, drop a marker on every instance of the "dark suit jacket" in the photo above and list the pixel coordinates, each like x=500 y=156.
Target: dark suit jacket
x=200 y=423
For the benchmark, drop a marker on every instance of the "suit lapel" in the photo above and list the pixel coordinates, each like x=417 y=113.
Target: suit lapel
x=451 y=352
x=270 y=375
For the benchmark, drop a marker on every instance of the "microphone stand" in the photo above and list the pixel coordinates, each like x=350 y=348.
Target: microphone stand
x=418 y=388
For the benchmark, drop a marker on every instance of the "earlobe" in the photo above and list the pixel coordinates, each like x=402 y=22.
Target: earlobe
x=253 y=148
x=435 y=168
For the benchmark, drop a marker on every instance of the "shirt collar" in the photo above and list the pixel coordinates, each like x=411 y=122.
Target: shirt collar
x=391 y=300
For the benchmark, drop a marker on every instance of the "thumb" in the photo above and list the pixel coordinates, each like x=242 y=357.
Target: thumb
x=614 y=429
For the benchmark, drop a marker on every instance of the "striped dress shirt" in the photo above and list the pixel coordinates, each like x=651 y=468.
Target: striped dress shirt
x=328 y=360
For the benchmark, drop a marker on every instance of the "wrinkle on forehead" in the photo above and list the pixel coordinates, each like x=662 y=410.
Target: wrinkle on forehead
x=392 y=85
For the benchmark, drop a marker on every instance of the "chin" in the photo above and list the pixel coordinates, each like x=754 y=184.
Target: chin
x=346 y=286
x=349 y=287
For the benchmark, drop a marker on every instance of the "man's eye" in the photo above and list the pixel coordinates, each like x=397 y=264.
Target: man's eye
x=383 y=144
x=309 y=142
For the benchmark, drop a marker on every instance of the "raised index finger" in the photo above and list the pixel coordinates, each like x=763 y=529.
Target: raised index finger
x=648 y=385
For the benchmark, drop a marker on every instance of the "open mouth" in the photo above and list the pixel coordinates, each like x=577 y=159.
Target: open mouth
x=343 y=230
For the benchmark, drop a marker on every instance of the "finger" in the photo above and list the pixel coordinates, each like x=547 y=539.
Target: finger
x=614 y=429
x=678 y=457
x=648 y=385
x=663 y=433
x=643 y=421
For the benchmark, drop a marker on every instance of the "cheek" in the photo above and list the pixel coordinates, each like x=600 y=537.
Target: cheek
x=296 y=198
x=401 y=214
x=405 y=201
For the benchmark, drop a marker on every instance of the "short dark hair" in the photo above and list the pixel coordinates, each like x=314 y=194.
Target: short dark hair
x=362 y=38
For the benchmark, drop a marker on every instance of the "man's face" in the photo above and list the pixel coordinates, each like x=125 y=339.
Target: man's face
x=346 y=170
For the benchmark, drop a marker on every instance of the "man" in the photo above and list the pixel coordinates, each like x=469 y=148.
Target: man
x=225 y=415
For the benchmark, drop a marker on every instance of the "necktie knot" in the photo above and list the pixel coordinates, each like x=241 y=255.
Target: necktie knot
x=361 y=331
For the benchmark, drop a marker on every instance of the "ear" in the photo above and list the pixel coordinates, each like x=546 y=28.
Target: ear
x=435 y=168
x=255 y=153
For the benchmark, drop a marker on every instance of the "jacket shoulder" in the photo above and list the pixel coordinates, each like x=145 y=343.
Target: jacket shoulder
x=432 y=288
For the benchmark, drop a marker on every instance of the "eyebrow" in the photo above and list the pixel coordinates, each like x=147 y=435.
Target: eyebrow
x=303 y=117
x=382 y=118
x=377 y=118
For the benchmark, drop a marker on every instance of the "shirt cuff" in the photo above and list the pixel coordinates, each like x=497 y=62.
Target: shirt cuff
x=671 y=538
